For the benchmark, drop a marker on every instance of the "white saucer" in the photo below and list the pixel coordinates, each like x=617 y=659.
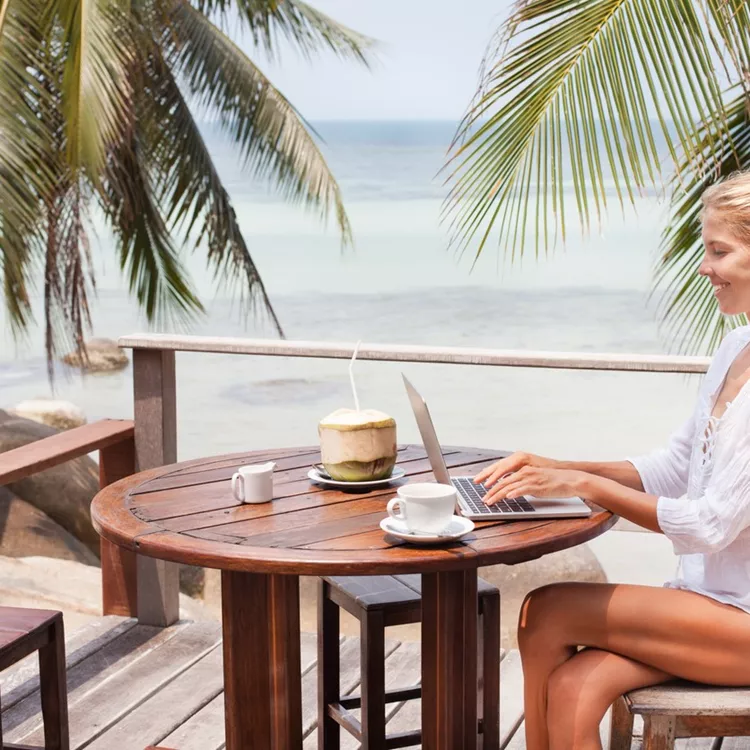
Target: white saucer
x=456 y=528
x=316 y=476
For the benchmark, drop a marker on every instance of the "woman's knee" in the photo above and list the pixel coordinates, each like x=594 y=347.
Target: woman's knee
x=540 y=610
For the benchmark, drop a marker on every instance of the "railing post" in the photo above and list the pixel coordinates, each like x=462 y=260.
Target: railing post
x=119 y=567
x=155 y=445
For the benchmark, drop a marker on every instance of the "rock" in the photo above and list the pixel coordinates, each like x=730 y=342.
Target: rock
x=73 y=587
x=26 y=530
x=103 y=356
x=64 y=492
x=60 y=414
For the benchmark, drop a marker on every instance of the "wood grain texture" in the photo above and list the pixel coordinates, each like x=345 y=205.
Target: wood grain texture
x=262 y=682
x=307 y=529
x=119 y=567
x=449 y=660
x=155 y=408
x=681 y=698
x=412 y=353
x=57 y=449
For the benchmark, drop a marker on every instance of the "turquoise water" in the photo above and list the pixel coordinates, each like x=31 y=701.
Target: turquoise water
x=401 y=285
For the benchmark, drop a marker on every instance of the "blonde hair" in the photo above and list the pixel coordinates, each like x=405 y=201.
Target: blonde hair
x=729 y=200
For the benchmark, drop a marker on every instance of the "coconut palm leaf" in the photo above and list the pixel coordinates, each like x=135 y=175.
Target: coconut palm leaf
x=568 y=102
x=687 y=302
x=191 y=191
x=95 y=88
x=147 y=256
x=308 y=28
x=271 y=136
x=24 y=136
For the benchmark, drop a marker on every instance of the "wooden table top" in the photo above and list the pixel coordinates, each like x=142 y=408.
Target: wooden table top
x=186 y=513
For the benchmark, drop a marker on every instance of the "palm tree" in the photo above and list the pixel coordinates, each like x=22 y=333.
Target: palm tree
x=96 y=109
x=581 y=91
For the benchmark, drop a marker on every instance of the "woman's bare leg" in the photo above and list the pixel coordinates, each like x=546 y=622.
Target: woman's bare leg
x=677 y=632
x=580 y=691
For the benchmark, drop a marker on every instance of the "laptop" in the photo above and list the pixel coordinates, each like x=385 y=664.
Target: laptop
x=470 y=503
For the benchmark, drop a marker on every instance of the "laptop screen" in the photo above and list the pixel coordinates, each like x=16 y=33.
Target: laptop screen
x=427 y=431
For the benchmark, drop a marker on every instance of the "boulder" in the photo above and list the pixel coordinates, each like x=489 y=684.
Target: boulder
x=64 y=492
x=27 y=531
x=72 y=587
x=60 y=414
x=103 y=355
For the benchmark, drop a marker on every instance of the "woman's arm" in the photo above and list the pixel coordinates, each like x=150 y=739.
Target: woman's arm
x=625 y=501
x=622 y=472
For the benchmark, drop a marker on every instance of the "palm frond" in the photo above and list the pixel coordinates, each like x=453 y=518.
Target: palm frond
x=308 y=28
x=95 y=86
x=24 y=137
x=272 y=138
x=151 y=265
x=191 y=191
x=687 y=304
x=567 y=103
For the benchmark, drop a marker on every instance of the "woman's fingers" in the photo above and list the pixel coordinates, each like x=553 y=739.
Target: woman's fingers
x=492 y=473
x=516 y=489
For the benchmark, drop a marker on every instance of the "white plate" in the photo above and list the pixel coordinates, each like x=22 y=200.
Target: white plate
x=456 y=528
x=316 y=476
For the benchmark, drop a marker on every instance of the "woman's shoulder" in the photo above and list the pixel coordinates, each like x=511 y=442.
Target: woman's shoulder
x=736 y=337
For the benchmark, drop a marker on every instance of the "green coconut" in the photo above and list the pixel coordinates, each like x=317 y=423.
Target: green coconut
x=358 y=446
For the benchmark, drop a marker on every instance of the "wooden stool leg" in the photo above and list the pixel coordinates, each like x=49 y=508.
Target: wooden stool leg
x=489 y=669
x=329 y=687
x=372 y=660
x=54 y=690
x=621 y=730
x=659 y=732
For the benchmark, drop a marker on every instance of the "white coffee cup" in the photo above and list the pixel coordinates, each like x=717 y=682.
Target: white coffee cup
x=254 y=483
x=424 y=507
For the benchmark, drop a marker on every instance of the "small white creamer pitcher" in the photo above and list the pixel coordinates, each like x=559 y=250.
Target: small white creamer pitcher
x=254 y=483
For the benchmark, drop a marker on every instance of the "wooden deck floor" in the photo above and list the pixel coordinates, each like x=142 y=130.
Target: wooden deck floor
x=131 y=686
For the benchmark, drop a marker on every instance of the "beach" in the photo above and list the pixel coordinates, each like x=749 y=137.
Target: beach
x=399 y=284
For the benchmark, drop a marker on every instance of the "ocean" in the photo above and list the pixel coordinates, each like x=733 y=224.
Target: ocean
x=399 y=284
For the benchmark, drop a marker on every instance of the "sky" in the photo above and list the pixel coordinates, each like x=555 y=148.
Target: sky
x=428 y=58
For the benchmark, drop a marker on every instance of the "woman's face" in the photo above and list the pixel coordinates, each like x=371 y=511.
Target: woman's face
x=726 y=264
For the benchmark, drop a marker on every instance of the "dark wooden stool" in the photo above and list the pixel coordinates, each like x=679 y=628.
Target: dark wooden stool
x=378 y=602
x=23 y=631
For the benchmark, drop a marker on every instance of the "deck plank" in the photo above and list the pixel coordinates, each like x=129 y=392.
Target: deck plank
x=171 y=707
x=99 y=700
x=204 y=730
x=22 y=679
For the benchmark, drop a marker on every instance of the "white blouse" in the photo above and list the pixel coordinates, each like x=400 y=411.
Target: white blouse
x=702 y=479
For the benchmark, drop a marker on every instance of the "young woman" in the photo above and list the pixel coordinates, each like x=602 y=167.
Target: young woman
x=696 y=492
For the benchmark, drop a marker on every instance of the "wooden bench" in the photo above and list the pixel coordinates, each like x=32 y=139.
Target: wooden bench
x=379 y=602
x=680 y=709
x=23 y=631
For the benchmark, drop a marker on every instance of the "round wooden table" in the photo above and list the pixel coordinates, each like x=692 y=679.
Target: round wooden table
x=186 y=513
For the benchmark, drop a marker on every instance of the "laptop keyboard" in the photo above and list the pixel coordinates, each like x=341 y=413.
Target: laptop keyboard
x=472 y=495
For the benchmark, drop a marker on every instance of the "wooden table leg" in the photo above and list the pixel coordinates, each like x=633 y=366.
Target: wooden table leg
x=262 y=683
x=449 y=660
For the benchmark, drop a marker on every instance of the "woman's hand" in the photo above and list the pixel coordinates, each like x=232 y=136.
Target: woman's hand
x=511 y=463
x=540 y=481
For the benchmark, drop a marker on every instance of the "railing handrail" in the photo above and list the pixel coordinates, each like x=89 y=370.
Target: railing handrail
x=414 y=353
x=22 y=462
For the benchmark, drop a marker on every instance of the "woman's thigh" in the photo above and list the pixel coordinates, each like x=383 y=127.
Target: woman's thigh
x=679 y=632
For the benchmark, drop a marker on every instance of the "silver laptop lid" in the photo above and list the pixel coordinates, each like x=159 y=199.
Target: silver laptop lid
x=427 y=431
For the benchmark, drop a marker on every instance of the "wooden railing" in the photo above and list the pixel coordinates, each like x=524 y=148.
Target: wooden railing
x=114 y=439
x=150 y=588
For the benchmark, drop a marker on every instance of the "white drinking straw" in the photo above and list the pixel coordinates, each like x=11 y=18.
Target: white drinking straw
x=351 y=375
